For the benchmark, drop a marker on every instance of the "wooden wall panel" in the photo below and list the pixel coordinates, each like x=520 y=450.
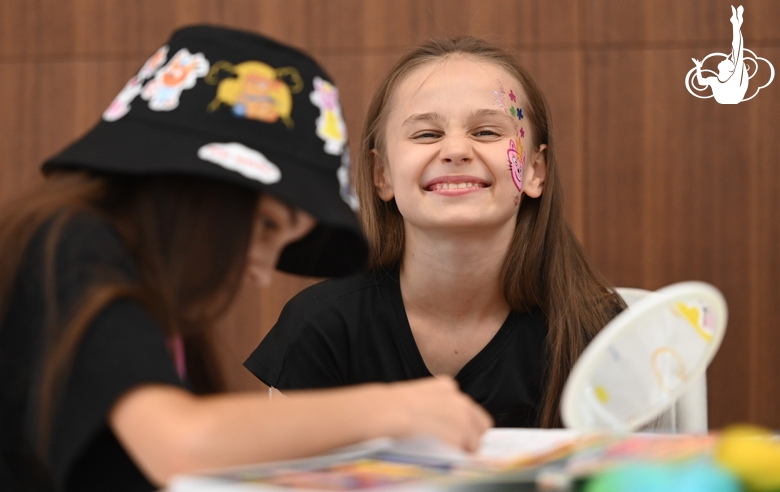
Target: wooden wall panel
x=527 y=23
x=614 y=165
x=19 y=128
x=17 y=21
x=670 y=21
x=284 y=20
x=761 y=204
x=660 y=186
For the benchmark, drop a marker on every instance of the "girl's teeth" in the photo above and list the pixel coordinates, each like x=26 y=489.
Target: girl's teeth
x=453 y=186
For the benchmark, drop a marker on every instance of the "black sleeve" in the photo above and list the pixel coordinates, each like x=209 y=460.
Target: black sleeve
x=123 y=348
x=307 y=348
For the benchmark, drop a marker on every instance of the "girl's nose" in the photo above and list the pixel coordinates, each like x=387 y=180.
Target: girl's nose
x=456 y=150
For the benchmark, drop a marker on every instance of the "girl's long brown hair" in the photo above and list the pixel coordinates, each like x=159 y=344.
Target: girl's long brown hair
x=189 y=237
x=545 y=265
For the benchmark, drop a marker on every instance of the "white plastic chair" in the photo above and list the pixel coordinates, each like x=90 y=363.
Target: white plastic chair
x=689 y=413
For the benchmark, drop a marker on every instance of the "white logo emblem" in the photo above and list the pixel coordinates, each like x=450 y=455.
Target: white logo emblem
x=735 y=70
x=241 y=159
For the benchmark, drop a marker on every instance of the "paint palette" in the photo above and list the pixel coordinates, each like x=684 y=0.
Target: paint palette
x=645 y=358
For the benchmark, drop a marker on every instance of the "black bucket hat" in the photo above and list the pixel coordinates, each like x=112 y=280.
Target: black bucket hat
x=235 y=106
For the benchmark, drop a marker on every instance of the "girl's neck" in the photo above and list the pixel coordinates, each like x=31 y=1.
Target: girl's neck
x=454 y=276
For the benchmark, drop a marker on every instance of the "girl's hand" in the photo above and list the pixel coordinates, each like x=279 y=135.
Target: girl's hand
x=435 y=407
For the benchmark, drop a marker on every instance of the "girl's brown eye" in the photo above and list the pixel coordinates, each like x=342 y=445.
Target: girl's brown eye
x=268 y=224
x=426 y=135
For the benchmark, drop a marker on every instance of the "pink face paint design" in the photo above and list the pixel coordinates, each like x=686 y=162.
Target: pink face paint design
x=512 y=96
x=498 y=96
x=516 y=158
x=522 y=133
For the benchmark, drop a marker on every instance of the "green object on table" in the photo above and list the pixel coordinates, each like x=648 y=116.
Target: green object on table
x=698 y=476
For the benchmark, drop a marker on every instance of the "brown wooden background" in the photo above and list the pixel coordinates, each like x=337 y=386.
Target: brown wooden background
x=661 y=187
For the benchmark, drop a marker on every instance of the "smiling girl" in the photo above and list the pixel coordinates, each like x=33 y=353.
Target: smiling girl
x=474 y=272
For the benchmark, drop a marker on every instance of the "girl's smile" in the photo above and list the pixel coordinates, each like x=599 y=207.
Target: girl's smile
x=455 y=185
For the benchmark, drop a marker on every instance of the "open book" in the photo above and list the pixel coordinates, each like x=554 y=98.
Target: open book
x=409 y=465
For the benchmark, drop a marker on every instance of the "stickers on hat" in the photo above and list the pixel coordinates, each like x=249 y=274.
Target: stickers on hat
x=241 y=159
x=120 y=106
x=256 y=91
x=153 y=63
x=179 y=74
x=121 y=103
x=346 y=189
x=330 y=125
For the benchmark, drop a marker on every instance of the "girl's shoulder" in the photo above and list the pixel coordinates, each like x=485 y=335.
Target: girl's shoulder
x=353 y=290
x=71 y=253
x=81 y=238
x=72 y=231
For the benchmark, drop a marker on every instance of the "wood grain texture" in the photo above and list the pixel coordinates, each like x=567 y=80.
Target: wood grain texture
x=614 y=164
x=19 y=129
x=761 y=202
x=660 y=186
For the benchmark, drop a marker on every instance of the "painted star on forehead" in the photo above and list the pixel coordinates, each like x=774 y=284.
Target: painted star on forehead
x=519 y=114
x=522 y=133
x=512 y=96
x=512 y=110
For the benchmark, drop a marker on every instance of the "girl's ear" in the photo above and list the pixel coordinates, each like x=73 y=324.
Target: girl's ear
x=382 y=180
x=534 y=174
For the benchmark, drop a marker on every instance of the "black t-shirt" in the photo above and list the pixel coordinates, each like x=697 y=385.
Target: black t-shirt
x=355 y=330
x=122 y=348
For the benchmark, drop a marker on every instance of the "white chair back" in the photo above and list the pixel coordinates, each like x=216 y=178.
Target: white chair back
x=689 y=414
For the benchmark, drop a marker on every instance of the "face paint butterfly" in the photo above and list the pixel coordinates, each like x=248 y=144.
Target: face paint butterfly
x=516 y=158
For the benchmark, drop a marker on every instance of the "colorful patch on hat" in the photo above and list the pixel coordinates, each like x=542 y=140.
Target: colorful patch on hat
x=179 y=74
x=239 y=158
x=346 y=189
x=153 y=63
x=257 y=91
x=330 y=124
x=120 y=106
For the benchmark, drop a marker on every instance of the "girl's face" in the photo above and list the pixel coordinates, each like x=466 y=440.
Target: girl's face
x=455 y=135
x=276 y=225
